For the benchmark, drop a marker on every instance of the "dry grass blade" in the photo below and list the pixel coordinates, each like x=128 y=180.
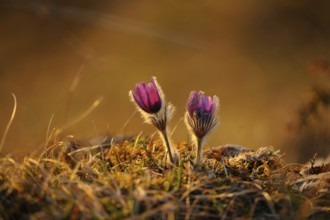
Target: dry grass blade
x=128 y=120
x=48 y=134
x=74 y=85
x=10 y=122
x=94 y=105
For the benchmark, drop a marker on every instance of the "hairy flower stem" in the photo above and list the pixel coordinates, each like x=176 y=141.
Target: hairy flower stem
x=199 y=152
x=168 y=146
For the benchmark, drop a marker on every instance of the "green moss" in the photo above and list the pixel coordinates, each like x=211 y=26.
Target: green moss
x=131 y=180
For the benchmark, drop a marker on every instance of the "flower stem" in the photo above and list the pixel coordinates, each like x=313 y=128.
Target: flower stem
x=168 y=145
x=199 y=152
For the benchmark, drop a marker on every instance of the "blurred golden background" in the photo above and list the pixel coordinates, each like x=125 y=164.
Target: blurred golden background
x=254 y=55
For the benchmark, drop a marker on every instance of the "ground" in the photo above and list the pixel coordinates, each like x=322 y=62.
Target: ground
x=128 y=178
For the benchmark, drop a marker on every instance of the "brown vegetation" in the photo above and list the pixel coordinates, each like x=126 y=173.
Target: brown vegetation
x=129 y=179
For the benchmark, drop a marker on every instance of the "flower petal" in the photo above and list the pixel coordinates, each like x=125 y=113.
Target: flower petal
x=208 y=105
x=136 y=99
x=142 y=93
x=154 y=98
x=193 y=103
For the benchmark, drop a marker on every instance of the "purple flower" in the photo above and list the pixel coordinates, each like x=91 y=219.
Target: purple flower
x=150 y=101
x=201 y=113
x=147 y=96
x=200 y=119
x=200 y=104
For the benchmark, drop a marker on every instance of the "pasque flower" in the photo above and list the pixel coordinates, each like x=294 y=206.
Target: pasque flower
x=147 y=96
x=201 y=118
x=150 y=101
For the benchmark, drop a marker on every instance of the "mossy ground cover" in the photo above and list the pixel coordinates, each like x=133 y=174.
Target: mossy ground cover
x=130 y=179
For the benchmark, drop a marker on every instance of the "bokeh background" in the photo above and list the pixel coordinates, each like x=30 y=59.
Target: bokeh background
x=254 y=55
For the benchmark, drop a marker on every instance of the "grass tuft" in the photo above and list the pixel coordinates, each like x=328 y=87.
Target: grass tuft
x=130 y=180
